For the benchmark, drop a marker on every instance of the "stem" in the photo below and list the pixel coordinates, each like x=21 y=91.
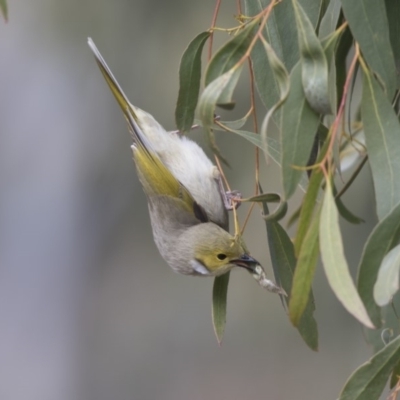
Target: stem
x=213 y=22
x=339 y=115
x=354 y=176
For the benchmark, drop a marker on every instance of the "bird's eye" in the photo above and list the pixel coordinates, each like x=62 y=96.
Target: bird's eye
x=221 y=256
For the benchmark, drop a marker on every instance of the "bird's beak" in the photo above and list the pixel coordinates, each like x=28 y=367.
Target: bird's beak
x=247 y=262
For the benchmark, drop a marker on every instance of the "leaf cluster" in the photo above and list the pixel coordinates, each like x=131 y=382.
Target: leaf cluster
x=306 y=58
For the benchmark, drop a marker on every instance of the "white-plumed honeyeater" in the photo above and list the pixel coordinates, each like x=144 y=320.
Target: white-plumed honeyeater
x=188 y=215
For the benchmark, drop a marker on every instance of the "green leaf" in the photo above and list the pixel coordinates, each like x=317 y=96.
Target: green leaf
x=368 y=381
x=393 y=12
x=387 y=283
x=313 y=9
x=377 y=245
x=369 y=26
x=227 y=57
x=268 y=197
x=219 y=90
x=330 y=19
x=189 y=82
x=346 y=213
x=279 y=213
x=4 y=9
x=299 y=124
x=335 y=264
x=283 y=263
x=304 y=272
x=313 y=189
x=281 y=77
x=314 y=66
x=237 y=124
x=280 y=31
x=212 y=94
x=274 y=148
x=382 y=134
x=219 y=297
x=307 y=208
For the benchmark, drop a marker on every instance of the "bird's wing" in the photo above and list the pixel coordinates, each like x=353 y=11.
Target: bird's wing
x=156 y=178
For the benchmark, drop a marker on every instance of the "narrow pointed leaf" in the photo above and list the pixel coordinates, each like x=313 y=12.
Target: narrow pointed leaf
x=307 y=209
x=216 y=92
x=284 y=262
x=368 y=381
x=335 y=264
x=219 y=299
x=274 y=148
x=369 y=26
x=281 y=77
x=382 y=134
x=330 y=19
x=313 y=9
x=346 y=213
x=299 y=124
x=387 y=283
x=377 y=245
x=313 y=63
x=227 y=57
x=189 y=82
x=268 y=197
x=304 y=272
x=281 y=33
x=237 y=124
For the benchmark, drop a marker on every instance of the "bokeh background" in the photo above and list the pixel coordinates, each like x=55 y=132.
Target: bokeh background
x=88 y=309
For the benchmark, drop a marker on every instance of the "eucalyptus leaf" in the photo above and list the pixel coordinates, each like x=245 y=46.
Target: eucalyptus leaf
x=268 y=197
x=307 y=208
x=280 y=31
x=299 y=124
x=382 y=134
x=219 y=299
x=314 y=65
x=387 y=283
x=368 y=381
x=282 y=79
x=334 y=262
x=313 y=9
x=237 y=124
x=189 y=82
x=330 y=19
x=274 y=148
x=377 y=245
x=228 y=56
x=284 y=262
x=304 y=272
x=277 y=214
x=370 y=28
x=346 y=213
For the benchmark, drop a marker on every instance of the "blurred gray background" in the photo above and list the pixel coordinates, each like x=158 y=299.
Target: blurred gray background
x=88 y=309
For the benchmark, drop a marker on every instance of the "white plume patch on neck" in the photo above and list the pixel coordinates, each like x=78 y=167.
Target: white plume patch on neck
x=199 y=267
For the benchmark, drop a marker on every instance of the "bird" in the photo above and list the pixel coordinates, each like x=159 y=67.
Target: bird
x=187 y=211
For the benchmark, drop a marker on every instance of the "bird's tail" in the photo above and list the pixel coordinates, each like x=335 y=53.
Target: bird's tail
x=113 y=84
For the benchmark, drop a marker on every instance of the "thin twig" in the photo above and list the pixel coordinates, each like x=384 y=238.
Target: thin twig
x=336 y=122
